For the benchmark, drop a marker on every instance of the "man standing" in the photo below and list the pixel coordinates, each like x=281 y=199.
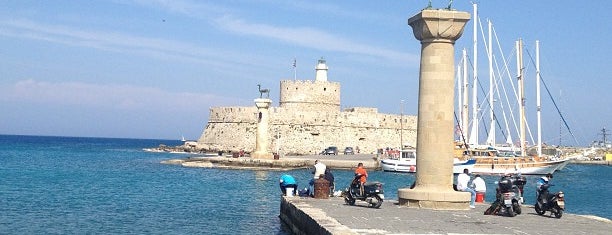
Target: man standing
x=462 y=185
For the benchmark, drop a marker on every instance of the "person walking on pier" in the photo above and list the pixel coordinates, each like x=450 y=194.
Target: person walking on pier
x=462 y=185
x=363 y=176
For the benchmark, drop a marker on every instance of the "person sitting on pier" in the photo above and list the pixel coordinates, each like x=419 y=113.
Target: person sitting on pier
x=287 y=181
x=479 y=184
x=319 y=170
x=462 y=185
x=363 y=176
x=330 y=177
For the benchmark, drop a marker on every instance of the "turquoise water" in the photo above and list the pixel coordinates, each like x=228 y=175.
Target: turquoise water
x=68 y=185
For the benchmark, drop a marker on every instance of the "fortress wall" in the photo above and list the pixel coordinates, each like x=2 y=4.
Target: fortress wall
x=232 y=114
x=293 y=131
x=310 y=95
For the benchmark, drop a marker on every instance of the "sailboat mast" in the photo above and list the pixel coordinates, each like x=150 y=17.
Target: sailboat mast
x=465 y=108
x=474 y=133
x=460 y=99
x=491 y=137
x=521 y=95
x=539 y=107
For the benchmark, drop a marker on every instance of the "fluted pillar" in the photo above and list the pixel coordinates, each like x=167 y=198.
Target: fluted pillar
x=437 y=30
x=262 y=139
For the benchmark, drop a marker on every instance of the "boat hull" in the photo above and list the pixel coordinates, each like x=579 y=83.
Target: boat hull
x=530 y=168
x=409 y=166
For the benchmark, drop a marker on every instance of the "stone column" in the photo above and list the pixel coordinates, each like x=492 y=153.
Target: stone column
x=262 y=139
x=437 y=30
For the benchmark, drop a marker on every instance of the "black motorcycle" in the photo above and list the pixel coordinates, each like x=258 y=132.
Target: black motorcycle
x=510 y=194
x=372 y=193
x=553 y=202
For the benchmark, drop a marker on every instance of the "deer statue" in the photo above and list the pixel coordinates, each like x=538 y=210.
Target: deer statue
x=262 y=91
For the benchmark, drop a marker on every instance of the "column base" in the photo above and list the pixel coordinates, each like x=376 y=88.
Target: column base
x=434 y=199
x=262 y=155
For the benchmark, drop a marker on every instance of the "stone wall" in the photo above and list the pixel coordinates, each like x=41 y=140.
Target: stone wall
x=310 y=95
x=293 y=131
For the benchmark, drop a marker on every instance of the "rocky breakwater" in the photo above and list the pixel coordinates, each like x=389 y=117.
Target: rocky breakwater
x=284 y=163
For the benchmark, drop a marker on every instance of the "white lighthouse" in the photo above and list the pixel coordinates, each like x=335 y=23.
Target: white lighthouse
x=321 y=71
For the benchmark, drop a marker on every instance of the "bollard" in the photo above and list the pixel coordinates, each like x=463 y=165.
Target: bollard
x=321 y=188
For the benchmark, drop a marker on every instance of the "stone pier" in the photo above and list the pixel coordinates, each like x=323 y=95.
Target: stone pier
x=437 y=30
x=262 y=139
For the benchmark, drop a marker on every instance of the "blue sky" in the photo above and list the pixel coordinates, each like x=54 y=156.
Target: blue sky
x=152 y=69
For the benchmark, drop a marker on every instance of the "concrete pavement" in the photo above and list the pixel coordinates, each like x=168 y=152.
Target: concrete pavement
x=335 y=217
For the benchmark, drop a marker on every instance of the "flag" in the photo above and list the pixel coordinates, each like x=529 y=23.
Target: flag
x=294 y=62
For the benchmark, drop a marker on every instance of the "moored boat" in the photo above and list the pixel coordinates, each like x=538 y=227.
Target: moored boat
x=490 y=161
x=406 y=162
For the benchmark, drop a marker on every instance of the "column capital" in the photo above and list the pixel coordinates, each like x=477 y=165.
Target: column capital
x=438 y=25
x=262 y=103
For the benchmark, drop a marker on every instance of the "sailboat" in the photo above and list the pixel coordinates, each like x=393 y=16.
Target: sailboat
x=492 y=158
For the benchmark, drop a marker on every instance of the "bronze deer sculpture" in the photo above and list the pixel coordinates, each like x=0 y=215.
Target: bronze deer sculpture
x=262 y=91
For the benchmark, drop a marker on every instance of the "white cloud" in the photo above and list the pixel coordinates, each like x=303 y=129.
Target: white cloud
x=312 y=38
x=121 y=97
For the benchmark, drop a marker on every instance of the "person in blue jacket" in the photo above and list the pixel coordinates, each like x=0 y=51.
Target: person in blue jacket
x=287 y=181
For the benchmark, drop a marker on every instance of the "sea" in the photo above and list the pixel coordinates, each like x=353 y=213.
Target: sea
x=76 y=185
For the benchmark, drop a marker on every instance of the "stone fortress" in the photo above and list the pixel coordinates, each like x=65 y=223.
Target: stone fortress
x=308 y=119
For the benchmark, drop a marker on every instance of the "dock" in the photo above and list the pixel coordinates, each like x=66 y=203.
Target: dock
x=305 y=215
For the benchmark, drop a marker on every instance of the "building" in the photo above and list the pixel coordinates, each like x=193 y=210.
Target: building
x=307 y=120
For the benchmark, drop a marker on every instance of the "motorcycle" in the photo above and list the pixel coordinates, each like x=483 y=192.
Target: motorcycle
x=510 y=190
x=372 y=193
x=555 y=203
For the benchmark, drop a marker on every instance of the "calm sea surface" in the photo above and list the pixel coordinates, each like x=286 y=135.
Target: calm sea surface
x=71 y=185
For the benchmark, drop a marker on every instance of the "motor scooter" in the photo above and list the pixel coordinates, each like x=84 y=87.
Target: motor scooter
x=373 y=193
x=555 y=202
x=509 y=194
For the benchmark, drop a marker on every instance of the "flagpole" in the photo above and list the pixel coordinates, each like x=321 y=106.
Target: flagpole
x=294 y=69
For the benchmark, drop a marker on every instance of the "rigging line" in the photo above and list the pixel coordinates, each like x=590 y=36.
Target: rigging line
x=481 y=116
x=554 y=102
x=467 y=147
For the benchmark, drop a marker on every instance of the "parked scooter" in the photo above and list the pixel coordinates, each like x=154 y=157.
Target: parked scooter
x=555 y=203
x=372 y=193
x=510 y=194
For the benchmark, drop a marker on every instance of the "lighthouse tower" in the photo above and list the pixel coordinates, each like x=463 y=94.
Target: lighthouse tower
x=321 y=71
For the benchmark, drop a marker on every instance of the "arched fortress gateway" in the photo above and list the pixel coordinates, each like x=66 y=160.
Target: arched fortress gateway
x=308 y=120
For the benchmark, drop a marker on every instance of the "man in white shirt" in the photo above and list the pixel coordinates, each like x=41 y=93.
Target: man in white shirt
x=319 y=169
x=478 y=184
x=463 y=180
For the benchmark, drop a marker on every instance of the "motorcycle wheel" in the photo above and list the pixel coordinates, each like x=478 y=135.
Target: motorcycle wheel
x=559 y=214
x=349 y=200
x=378 y=202
x=517 y=208
x=538 y=209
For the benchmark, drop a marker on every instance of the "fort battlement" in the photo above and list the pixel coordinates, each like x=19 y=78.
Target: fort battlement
x=307 y=120
x=310 y=95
